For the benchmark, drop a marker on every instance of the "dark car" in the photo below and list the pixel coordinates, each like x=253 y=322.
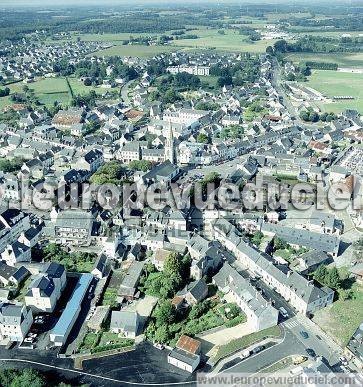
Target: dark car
x=304 y=335
x=311 y=352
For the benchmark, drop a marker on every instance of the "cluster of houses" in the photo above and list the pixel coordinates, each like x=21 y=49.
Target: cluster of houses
x=28 y=59
x=56 y=151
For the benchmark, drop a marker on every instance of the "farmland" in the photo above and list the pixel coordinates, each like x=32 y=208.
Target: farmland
x=141 y=51
x=230 y=40
x=342 y=59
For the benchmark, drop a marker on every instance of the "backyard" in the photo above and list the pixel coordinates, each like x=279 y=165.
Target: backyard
x=102 y=341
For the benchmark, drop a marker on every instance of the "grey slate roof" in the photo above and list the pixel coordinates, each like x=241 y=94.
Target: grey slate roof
x=306 y=238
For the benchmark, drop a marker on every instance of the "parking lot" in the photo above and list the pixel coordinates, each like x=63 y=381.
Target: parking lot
x=145 y=364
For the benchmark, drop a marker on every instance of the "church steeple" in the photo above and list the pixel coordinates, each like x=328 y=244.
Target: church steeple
x=169 y=145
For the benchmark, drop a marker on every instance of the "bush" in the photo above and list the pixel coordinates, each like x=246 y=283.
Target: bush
x=235 y=321
x=102 y=348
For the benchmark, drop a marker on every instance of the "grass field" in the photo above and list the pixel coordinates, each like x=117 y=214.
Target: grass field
x=342 y=59
x=342 y=318
x=134 y=50
x=332 y=83
x=49 y=90
x=230 y=41
x=111 y=37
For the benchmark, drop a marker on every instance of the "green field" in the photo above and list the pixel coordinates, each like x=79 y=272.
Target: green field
x=342 y=318
x=342 y=59
x=134 y=50
x=230 y=41
x=332 y=83
x=49 y=90
x=111 y=37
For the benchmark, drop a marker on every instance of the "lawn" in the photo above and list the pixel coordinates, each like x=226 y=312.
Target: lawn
x=284 y=254
x=110 y=297
x=342 y=318
x=141 y=51
x=333 y=83
x=103 y=341
x=245 y=341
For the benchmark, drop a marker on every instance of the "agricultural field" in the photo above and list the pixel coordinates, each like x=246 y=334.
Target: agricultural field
x=332 y=83
x=230 y=41
x=112 y=38
x=343 y=59
x=141 y=51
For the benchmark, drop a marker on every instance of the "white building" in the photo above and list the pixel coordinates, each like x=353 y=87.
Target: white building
x=15 y=321
x=186 y=354
x=195 y=70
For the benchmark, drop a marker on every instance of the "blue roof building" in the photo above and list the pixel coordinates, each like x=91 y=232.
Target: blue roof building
x=70 y=314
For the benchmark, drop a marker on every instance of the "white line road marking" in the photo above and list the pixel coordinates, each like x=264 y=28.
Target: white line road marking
x=93 y=375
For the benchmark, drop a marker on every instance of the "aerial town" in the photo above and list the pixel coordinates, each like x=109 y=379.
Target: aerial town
x=181 y=197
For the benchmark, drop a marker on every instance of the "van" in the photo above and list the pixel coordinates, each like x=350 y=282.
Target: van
x=283 y=312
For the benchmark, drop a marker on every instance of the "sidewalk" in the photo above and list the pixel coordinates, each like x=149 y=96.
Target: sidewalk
x=318 y=331
x=221 y=363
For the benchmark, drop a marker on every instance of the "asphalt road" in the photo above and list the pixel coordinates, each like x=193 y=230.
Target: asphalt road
x=144 y=366
x=289 y=346
x=125 y=91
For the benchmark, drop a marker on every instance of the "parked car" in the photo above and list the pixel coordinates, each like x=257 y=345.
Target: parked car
x=283 y=312
x=311 y=352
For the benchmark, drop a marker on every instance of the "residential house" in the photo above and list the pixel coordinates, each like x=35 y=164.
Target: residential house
x=15 y=321
x=91 y=161
x=194 y=292
x=128 y=287
x=125 y=323
x=100 y=268
x=12 y=276
x=16 y=252
x=260 y=313
x=73 y=227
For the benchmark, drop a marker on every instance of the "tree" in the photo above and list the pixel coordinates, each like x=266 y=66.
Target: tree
x=164 y=313
x=279 y=244
x=140 y=165
x=172 y=265
x=4 y=92
x=22 y=378
x=257 y=238
x=161 y=334
x=110 y=173
x=313 y=116
x=304 y=115
x=203 y=138
x=224 y=81
x=87 y=82
x=320 y=274
x=333 y=279
x=170 y=96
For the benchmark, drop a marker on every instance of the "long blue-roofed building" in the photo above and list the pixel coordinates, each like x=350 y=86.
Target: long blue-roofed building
x=64 y=325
